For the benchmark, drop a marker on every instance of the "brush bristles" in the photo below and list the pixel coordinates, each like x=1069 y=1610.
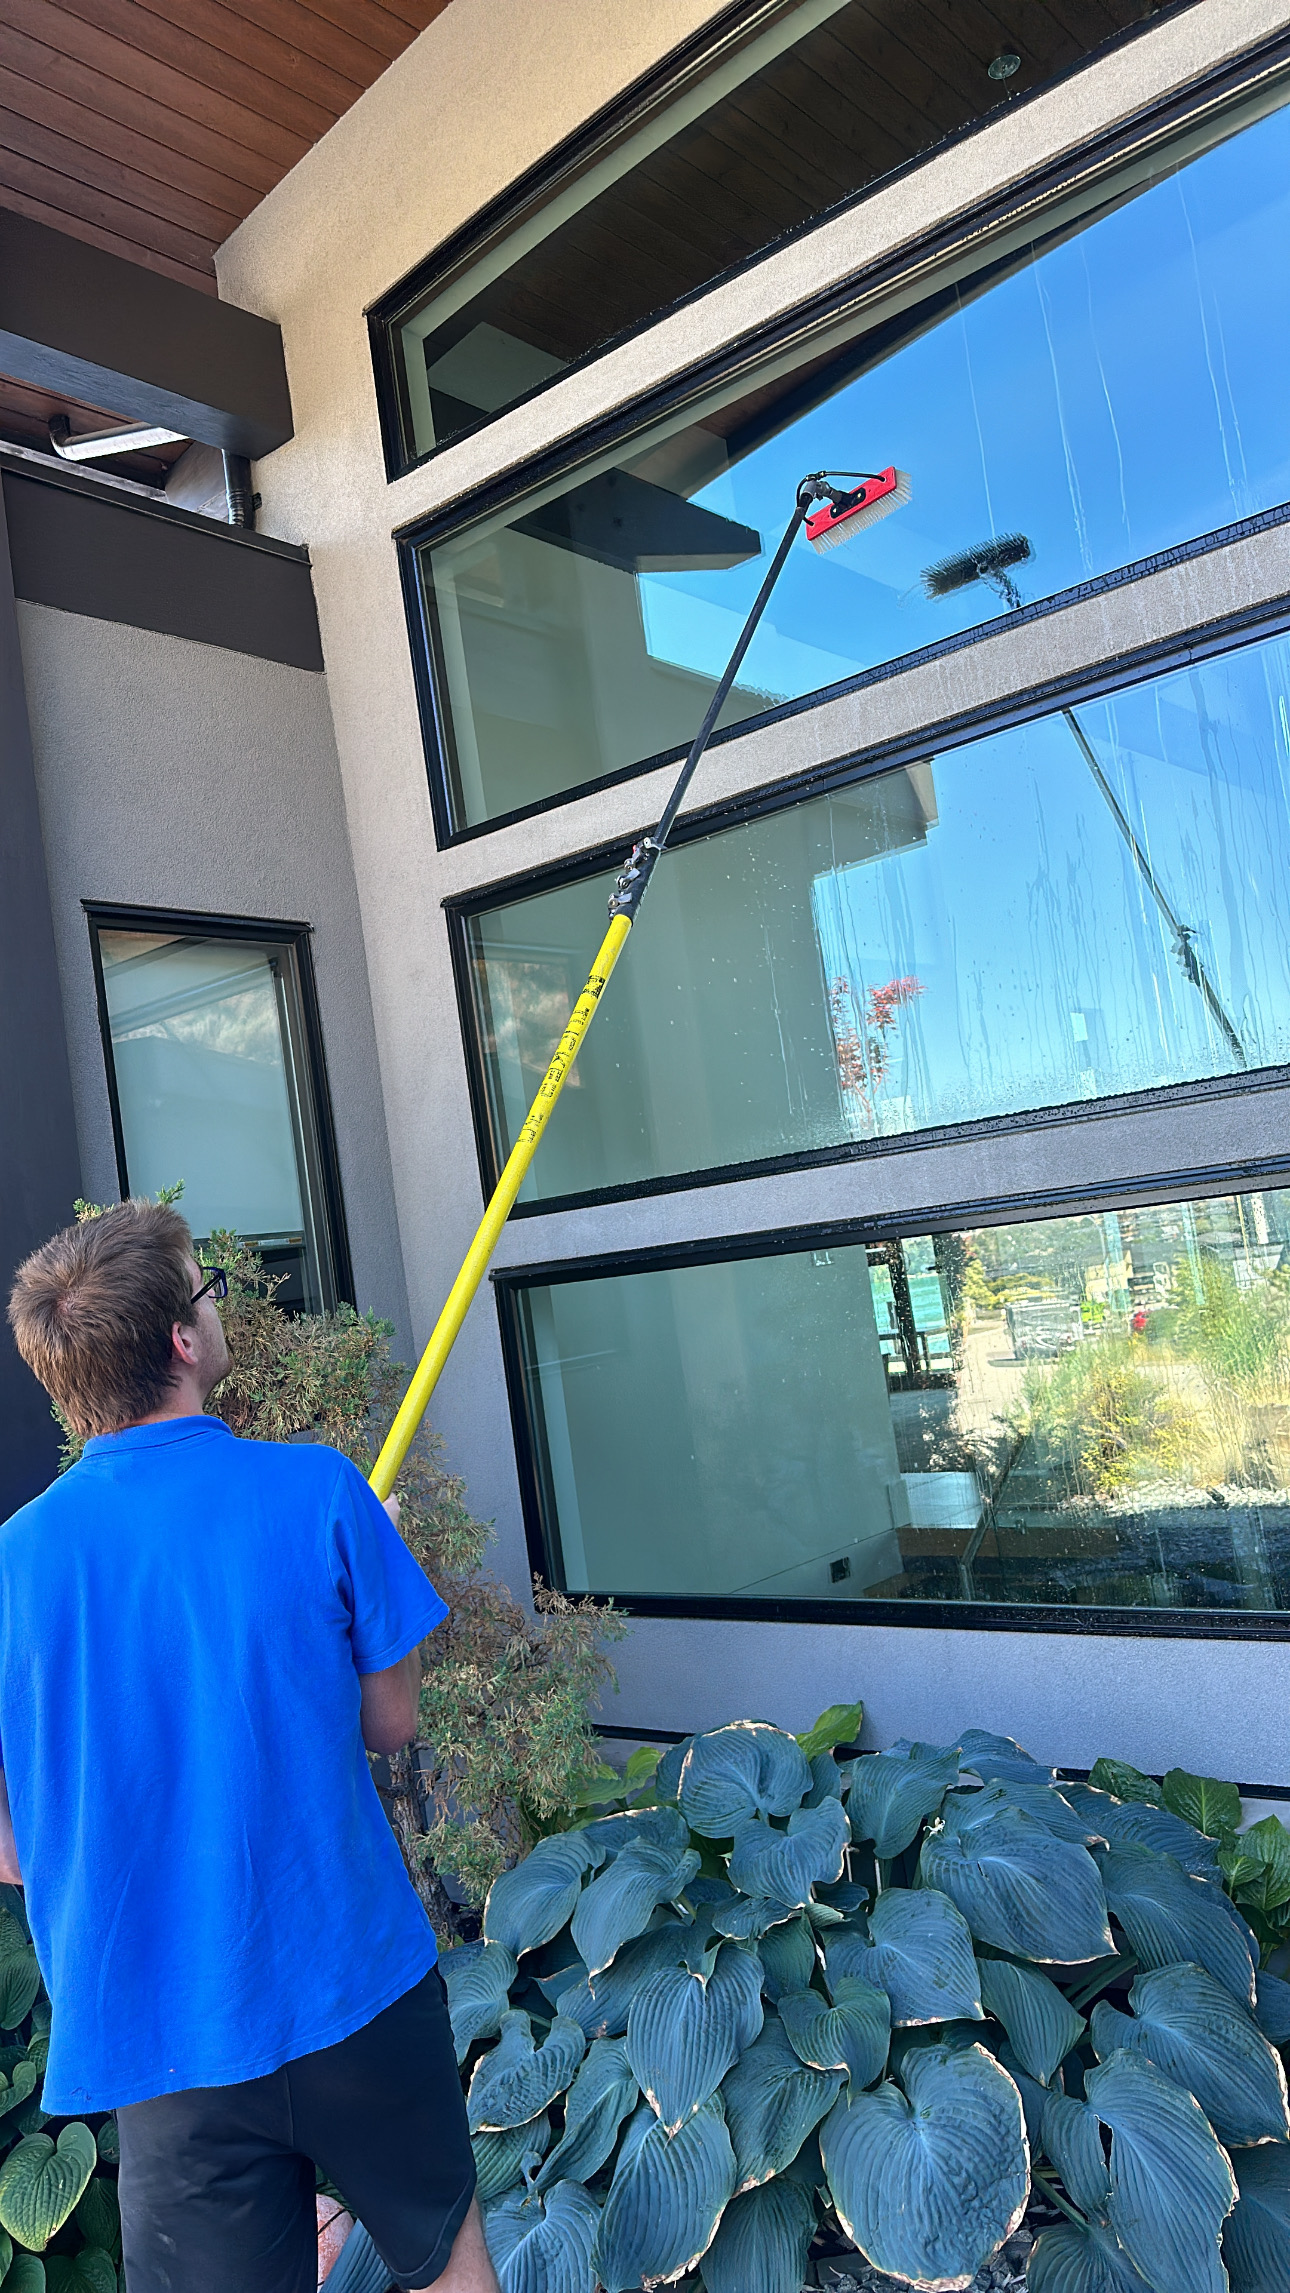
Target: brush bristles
x=854 y=521
x=969 y=565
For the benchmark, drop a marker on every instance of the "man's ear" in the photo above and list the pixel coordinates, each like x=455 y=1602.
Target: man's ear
x=183 y=1337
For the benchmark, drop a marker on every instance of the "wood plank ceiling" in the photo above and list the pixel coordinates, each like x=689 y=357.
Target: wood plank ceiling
x=152 y=127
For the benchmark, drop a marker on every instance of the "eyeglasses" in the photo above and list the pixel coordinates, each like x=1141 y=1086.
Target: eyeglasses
x=216 y=1287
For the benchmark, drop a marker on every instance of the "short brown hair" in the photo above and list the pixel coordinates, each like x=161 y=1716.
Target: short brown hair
x=93 y=1309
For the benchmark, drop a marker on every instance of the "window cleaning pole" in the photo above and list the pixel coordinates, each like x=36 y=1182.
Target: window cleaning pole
x=860 y=506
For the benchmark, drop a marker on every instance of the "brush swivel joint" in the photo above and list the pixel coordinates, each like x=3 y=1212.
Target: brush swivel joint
x=633 y=878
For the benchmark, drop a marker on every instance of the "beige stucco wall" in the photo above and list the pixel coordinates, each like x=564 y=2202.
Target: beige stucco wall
x=482 y=93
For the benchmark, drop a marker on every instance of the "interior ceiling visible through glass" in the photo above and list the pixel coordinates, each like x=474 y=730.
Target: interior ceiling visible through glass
x=1110 y=391
x=1090 y=1410
x=1093 y=903
x=832 y=95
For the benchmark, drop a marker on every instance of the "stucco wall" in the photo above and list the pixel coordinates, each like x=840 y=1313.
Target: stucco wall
x=477 y=98
x=179 y=775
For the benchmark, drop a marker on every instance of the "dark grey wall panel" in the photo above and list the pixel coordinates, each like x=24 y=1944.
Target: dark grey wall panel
x=92 y=326
x=80 y=547
x=39 y=1165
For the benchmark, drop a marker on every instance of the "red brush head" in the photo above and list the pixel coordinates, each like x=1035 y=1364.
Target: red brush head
x=835 y=522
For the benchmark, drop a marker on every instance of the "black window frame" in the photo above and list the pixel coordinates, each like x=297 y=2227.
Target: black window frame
x=1076 y=172
x=1232 y=632
x=653 y=92
x=297 y=940
x=928 y=1615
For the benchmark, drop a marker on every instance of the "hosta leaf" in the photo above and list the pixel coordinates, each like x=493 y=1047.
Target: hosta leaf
x=919 y=1952
x=784 y=1865
x=1134 y=1825
x=931 y=2185
x=1272 y=2007
x=530 y=1904
x=1072 y=2260
x=788 y=1957
x=892 y=1793
x=19 y=1981
x=1256 y=2238
x=685 y=2030
x=1194 y=2031
x=1041 y=2024
x=543 y=2247
x=1203 y=1801
x=25 y=2274
x=841 y=1724
x=851 y=2035
x=642 y=1764
x=1018 y=1887
x=109 y=2142
x=1267 y=1844
x=595 y=2106
x=1043 y=1801
x=667 y=2196
x=1126 y=1782
x=1172 y=1919
x=772 y=2103
x=500 y=2159
x=1171 y=2184
x=477 y=1978
x=619 y=1904
x=601 y=2006
x=42 y=2182
x=762 y=2243
x=19 y=2088
x=748 y=1917
x=515 y=2081
x=1072 y=2138
x=1033 y=2095
x=659 y=1826
x=92 y=2270
x=736 y=1772
x=667 y=1775
x=98 y=2216
x=826 y=1780
x=989 y=1756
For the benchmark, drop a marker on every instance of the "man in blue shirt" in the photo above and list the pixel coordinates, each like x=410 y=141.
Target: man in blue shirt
x=198 y=1637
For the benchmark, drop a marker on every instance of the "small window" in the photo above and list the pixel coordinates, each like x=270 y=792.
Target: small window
x=1091 y=904
x=1074 y=404
x=1085 y=1411
x=216 y=1081
x=754 y=141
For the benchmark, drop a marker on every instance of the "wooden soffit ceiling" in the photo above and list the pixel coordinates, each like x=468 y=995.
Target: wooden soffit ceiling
x=152 y=127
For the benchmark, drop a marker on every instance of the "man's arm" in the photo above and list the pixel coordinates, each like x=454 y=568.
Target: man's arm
x=9 y=1871
x=388 y=1710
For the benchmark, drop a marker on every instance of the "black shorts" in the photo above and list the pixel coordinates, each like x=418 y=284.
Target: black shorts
x=217 y=2184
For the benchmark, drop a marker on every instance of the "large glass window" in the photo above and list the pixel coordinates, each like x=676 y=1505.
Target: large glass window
x=1105 y=391
x=1091 y=1410
x=1094 y=903
x=212 y=1087
x=831 y=94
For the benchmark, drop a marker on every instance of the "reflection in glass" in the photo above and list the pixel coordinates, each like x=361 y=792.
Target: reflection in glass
x=1090 y=1410
x=1105 y=392
x=824 y=99
x=211 y=1088
x=1094 y=903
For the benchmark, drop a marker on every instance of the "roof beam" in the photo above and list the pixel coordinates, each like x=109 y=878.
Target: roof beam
x=91 y=326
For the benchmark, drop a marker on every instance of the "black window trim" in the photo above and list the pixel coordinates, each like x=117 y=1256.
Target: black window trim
x=584 y=148
x=964 y=1616
x=1230 y=633
x=298 y=939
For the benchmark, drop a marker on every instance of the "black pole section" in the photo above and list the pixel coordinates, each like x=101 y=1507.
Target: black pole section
x=1186 y=953
x=629 y=889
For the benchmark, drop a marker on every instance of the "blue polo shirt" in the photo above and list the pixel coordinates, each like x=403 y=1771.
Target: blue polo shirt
x=212 y=1884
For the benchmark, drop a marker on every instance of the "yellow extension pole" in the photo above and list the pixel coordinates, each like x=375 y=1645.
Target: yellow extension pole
x=399 y=1439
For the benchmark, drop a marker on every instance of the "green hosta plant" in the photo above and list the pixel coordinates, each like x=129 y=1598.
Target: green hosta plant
x=779 y=1987
x=60 y=2226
